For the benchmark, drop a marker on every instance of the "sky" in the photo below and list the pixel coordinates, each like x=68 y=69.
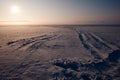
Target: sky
x=60 y=12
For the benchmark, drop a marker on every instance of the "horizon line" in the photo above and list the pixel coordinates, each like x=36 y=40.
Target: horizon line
x=59 y=24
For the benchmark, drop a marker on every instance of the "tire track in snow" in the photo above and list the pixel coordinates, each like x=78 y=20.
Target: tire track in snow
x=33 y=43
x=101 y=41
x=84 y=39
x=97 y=46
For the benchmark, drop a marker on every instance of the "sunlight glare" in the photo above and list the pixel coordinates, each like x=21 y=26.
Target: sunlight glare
x=15 y=9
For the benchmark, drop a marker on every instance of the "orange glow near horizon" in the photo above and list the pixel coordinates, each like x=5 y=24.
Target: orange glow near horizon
x=19 y=12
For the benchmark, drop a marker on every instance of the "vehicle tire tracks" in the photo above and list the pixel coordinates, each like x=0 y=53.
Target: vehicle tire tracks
x=96 y=45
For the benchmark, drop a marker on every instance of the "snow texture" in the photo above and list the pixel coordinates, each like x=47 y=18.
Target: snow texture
x=59 y=53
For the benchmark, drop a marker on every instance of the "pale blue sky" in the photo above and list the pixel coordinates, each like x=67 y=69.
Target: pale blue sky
x=60 y=12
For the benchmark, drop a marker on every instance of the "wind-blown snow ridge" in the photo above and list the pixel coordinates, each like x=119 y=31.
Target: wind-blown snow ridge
x=76 y=70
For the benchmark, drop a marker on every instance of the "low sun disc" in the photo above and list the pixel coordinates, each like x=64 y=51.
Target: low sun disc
x=15 y=9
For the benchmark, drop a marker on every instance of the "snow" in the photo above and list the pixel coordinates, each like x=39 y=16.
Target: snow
x=58 y=52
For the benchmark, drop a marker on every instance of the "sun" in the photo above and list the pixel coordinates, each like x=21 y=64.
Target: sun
x=15 y=9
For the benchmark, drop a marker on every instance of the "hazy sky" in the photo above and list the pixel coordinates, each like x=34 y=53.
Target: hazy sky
x=60 y=12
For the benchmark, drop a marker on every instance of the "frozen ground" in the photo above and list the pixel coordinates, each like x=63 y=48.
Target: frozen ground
x=59 y=53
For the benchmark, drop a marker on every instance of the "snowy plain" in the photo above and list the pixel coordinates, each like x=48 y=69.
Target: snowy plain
x=60 y=53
